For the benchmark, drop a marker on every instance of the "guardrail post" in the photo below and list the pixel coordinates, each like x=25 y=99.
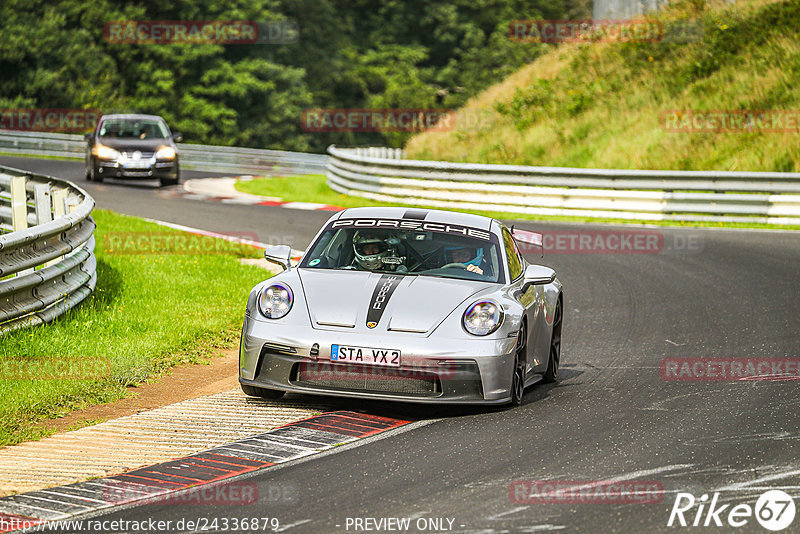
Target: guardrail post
x=59 y=198
x=42 y=203
x=19 y=209
x=59 y=202
x=19 y=204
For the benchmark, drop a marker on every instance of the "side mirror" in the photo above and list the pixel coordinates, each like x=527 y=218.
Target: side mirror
x=280 y=254
x=178 y=138
x=538 y=274
x=88 y=136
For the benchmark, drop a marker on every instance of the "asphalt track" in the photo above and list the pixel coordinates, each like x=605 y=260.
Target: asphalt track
x=734 y=294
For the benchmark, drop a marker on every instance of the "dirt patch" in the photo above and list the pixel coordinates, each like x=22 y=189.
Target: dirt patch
x=182 y=383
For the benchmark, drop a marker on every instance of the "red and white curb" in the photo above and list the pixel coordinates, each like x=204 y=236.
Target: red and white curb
x=224 y=190
x=160 y=483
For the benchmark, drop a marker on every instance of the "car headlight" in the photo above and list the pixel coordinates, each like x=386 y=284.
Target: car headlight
x=275 y=301
x=165 y=152
x=483 y=318
x=104 y=152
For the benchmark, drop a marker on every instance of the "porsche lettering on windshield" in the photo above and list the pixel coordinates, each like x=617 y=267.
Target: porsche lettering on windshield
x=413 y=225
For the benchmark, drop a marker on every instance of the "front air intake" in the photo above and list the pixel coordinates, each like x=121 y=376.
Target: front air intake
x=366 y=378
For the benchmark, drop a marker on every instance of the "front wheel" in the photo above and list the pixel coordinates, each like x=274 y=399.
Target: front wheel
x=172 y=181
x=518 y=378
x=92 y=175
x=252 y=391
x=551 y=375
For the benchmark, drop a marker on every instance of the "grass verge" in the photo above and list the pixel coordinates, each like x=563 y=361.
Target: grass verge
x=605 y=104
x=163 y=298
x=314 y=188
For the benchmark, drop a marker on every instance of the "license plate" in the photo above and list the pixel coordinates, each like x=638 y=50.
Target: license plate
x=368 y=355
x=136 y=165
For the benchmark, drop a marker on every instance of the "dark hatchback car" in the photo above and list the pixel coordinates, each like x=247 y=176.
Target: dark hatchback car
x=132 y=146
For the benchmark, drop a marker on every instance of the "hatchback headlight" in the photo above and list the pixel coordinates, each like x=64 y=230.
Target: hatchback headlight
x=104 y=152
x=483 y=318
x=165 y=152
x=275 y=301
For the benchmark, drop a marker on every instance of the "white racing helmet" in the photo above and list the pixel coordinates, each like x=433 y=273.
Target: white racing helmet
x=370 y=250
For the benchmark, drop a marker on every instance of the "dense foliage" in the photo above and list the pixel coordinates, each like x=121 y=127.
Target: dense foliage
x=354 y=54
x=607 y=104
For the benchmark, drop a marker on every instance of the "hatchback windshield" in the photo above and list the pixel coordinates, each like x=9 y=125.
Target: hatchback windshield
x=133 y=129
x=473 y=255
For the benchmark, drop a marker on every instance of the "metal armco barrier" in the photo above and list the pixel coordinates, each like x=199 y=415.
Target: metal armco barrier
x=47 y=263
x=196 y=157
x=694 y=196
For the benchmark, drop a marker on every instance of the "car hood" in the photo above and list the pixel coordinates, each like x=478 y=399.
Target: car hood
x=130 y=145
x=395 y=303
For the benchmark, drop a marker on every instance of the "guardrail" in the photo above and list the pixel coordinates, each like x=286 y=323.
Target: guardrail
x=196 y=157
x=47 y=263
x=695 y=196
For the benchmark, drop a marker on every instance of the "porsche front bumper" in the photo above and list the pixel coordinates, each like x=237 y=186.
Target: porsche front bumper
x=456 y=371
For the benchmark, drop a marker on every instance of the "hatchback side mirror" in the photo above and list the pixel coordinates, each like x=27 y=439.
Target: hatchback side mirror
x=178 y=138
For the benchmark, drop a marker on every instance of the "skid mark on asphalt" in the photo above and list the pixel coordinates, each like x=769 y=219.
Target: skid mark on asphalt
x=659 y=404
x=183 y=478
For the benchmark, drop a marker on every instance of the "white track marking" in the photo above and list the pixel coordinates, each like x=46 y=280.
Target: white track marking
x=768 y=478
x=284 y=528
x=495 y=517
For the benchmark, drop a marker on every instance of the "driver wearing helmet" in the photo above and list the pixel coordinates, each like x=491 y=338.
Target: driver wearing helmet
x=470 y=257
x=373 y=252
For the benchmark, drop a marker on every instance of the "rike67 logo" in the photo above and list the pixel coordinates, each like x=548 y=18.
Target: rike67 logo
x=774 y=510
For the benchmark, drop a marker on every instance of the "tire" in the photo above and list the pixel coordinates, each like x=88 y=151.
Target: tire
x=91 y=175
x=172 y=181
x=554 y=360
x=263 y=393
x=518 y=376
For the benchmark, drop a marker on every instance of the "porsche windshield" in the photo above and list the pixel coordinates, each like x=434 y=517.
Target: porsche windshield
x=408 y=252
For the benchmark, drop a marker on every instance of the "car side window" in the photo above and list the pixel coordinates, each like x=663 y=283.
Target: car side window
x=514 y=261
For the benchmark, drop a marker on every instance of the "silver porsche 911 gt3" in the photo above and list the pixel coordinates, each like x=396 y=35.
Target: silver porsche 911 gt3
x=404 y=304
